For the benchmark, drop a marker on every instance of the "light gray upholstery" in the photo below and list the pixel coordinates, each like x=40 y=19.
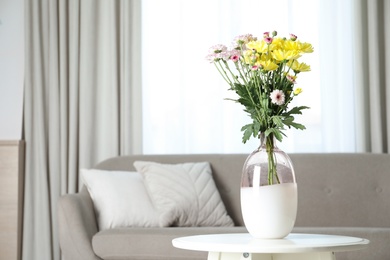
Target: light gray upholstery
x=77 y=225
x=151 y=243
x=346 y=194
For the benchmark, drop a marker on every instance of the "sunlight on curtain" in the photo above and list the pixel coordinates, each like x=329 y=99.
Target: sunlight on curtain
x=337 y=76
x=184 y=110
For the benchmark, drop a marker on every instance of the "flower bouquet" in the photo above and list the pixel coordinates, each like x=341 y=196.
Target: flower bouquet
x=263 y=73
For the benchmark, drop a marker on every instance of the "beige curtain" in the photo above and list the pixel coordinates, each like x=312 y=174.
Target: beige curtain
x=82 y=102
x=372 y=67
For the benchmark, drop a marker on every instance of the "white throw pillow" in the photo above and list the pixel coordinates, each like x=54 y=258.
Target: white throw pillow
x=120 y=199
x=184 y=194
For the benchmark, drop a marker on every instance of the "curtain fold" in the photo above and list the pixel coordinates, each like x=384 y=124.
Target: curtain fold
x=372 y=78
x=81 y=103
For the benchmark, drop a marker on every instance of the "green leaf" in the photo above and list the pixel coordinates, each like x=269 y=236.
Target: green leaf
x=298 y=126
x=264 y=101
x=256 y=128
x=246 y=127
x=248 y=130
x=268 y=131
x=245 y=102
x=288 y=120
x=277 y=133
x=277 y=121
x=296 y=110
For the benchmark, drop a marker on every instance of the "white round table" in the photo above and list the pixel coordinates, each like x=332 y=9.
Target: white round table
x=292 y=247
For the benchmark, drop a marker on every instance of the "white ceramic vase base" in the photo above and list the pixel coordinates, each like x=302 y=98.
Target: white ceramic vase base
x=269 y=212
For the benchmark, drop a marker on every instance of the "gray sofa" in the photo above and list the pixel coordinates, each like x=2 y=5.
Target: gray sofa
x=341 y=194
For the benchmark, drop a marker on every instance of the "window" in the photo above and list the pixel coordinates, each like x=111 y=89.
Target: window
x=184 y=110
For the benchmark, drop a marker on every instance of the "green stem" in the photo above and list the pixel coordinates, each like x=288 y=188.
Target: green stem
x=253 y=102
x=223 y=73
x=272 y=171
x=242 y=76
x=231 y=73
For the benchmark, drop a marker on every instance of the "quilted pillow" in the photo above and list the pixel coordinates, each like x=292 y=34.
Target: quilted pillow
x=120 y=199
x=185 y=194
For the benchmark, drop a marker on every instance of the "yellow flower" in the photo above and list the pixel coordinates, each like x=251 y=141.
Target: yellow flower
x=281 y=55
x=277 y=44
x=292 y=46
x=298 y=67
x=303 y=67
x=298 y=46
x=297 y=91
x=306 y=47
x=268 y=65
x=250 y=57
x=259 y=46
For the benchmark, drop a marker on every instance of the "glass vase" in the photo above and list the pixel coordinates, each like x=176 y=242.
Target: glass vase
x=269 y=196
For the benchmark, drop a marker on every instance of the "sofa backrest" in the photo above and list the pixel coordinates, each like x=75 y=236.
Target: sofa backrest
x=226 y=173
x=333 y=189
x=349 y=190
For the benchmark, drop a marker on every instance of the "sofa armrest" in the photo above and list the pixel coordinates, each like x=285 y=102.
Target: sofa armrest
x=77 y=225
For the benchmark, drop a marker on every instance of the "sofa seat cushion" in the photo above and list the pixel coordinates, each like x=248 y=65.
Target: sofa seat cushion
x=151 y=243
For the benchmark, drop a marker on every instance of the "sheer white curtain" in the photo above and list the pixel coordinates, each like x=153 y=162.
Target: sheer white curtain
x=80 y=103
x=336 y=76
x=184 y=110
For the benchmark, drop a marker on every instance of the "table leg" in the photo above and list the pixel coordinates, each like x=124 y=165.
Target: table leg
x=290 y=256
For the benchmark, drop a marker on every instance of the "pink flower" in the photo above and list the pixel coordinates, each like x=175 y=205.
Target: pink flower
x=268 y=40
x=234 y=52
x=266 y=34
x=235 y=58
x=242 y=40
x=211 y=57
x=277 y=97
x=224 y=55
x=291 y=79
x=255 y=67
x=218 y=52
x=218 y=48
x=293 y=37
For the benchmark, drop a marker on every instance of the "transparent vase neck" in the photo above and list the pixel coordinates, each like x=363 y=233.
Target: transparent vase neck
x=268 y=142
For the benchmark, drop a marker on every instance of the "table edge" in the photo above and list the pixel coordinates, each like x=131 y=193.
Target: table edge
x=179 y=243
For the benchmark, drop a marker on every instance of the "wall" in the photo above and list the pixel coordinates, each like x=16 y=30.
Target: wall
x=11 y=107
x=11 y=68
